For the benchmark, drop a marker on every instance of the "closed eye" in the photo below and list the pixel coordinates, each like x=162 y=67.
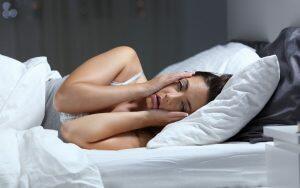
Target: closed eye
x=183 y=109
x=179 y=85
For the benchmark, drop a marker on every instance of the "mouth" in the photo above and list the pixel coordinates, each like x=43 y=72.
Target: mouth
x=158 y=100
x=155 y=101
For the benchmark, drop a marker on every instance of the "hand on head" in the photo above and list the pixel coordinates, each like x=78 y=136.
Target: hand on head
x=163 y=80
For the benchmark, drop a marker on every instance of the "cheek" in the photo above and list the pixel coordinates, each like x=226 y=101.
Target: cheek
x=172 y=104
x=168 y=89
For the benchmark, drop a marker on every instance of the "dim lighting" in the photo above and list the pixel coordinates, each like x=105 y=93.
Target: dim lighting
x=6 y=5
x=13 y=13
x=7 y=12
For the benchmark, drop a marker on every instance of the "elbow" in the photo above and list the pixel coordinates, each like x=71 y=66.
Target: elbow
x=65 y=131
x=68 y=132
x=71 y=134
x=58 y=101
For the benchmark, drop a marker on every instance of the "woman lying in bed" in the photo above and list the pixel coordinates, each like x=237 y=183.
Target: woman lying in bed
x=107 y=102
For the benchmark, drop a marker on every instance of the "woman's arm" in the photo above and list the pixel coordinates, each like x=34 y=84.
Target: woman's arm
x=97 y=127
x=87 y=88
x=88 y=97
x=122 y=141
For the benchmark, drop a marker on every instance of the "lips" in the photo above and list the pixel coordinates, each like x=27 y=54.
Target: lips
x=155 y=101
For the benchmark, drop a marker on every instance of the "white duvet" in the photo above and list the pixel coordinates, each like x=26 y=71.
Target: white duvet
x=30 y=155
x=37 y=158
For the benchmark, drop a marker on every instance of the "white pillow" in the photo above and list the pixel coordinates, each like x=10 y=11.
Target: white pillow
x=243 y=96
x=229 y=59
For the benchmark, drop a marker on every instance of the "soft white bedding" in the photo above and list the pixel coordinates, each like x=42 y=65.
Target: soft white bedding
x=36 y=158
x=211 y=166
x=31 y=156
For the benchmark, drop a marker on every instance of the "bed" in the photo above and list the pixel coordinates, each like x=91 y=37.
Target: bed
x=37 y=158
x=231 y=165
x=235 y=164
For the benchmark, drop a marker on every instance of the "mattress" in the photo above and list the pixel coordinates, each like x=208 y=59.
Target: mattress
x=237 y=164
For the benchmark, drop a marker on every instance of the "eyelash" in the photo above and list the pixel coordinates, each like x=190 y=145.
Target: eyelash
x=182 y=107
x=179 y=85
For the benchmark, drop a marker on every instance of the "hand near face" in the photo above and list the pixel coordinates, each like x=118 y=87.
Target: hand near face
x=164 y=117
x=163 y=80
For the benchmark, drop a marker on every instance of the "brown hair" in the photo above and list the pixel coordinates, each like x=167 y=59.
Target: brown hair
x=214 y=82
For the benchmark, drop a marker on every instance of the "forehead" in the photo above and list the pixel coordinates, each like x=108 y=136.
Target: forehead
x=197 y=92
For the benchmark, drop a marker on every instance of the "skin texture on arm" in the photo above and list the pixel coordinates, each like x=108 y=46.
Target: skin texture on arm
x=97 y=127
x=89 y=84
x=122 y=141
x=93 y=98
x=91 y=129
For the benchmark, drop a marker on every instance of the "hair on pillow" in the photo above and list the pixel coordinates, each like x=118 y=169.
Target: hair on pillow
x=242 y=97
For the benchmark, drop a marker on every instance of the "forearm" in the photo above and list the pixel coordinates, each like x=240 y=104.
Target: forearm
x=97 y=127
x=93 y=98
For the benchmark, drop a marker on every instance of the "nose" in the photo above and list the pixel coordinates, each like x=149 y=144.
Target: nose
x=170 y=101
x=172 y=95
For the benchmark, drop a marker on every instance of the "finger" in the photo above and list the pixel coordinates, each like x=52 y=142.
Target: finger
x=181 y=75
x=186 y=74
x=178 y=114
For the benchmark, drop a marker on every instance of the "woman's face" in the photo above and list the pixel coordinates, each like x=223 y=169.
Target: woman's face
x=186 y=95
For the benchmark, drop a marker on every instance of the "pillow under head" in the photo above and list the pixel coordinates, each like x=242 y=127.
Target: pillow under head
x=242 y=97
x=283 y=108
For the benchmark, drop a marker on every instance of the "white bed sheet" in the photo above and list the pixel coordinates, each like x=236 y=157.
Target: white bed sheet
x=219 y=165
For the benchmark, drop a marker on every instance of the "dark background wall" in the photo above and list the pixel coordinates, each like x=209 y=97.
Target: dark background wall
x=70 y=31
x=261 y=19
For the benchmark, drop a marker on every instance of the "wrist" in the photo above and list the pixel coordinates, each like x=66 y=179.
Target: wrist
x=146 y=118
x=144 y=89
x=151 y=119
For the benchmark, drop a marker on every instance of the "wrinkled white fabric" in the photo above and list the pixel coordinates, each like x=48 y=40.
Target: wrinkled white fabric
x=243 y=96
x=30 y=155
x=36 y=158
x=228 y=165
x=22 y=91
